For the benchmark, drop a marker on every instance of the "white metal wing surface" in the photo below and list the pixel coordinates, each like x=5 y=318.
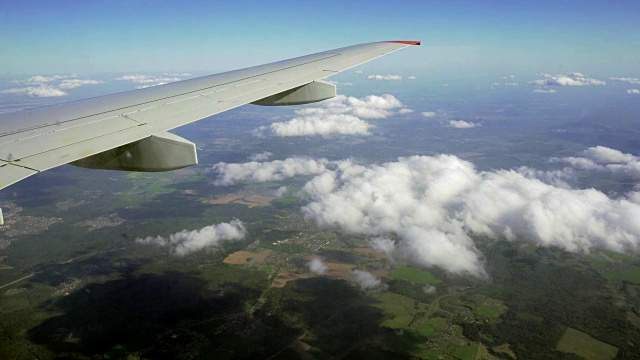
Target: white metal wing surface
x=136 y=121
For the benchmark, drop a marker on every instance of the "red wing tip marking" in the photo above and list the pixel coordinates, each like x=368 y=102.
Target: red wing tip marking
x=405 y=42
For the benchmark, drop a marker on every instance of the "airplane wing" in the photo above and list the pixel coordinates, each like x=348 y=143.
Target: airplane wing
x=128 y=131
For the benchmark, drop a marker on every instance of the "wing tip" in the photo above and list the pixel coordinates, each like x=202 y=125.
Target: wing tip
x=408 y=42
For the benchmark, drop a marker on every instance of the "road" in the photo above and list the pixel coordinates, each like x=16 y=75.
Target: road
x=69 y=261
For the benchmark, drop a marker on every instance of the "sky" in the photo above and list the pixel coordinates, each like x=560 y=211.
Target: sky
x=463 y=37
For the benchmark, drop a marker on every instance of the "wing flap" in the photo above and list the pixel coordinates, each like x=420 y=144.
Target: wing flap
x=10 y=173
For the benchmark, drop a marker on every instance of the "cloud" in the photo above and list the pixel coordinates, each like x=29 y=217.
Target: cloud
x=40 y=80
x=411 y=78
x=49 y=86
x=544 y=91
x=325 y=126
x=39 y=91
x=559 y=178
x=633 y=91
x=228 y=174
x=340 y=115
x=75 y=83
x=405 y=111
x=627 y=80
x=461 y=124
x=368 y=107
x=605 y=155
x=383 y=245
x=366 y=280
x=317 y=267
x=430 y=290
x=423 y=209
x=405 y=198
x=146 y=81
x=600 y=158
x=337 y=83
x=280 y=191
x=428 y=114
x=264 y=156
x=385 y=77
x=570 y=79
x=507 y=77
x=176 y=74
x=209 y=237
x=431 y=205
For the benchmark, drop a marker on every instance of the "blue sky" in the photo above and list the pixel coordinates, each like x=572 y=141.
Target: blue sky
x=460 y=37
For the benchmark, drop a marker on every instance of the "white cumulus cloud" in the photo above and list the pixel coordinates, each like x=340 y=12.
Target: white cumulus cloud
x=264 y=156
x=338 y=83
x=36 y=91
x=366 y=280
x=570 y=79
x=600 y=158
x=383 y=245
x=341 y=115
x=40 y=80
x=228 y=174
x=461 y=124
x=428 y=114
x=424 y=209
x=209 y=237
x=325 y=126
x=317 y=266
x=75 y=83
x=628 y=80
x=633 y=91
x=430 y=290
x=433 y=204
x=385 y=77
x=49 y=86
x=146 y=81
x=280 y=191
x=544 y=91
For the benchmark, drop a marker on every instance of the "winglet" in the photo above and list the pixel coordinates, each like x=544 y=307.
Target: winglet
x=405 y=42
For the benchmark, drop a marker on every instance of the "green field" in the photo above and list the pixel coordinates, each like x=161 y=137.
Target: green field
x=488 y=311
x=423 y=352
x=288 y=200
x=631 y=275
x=399 y=310
x=467 y=353
x=581 y=344
x=428 y=327
x=616 y=267
x=414 y=275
